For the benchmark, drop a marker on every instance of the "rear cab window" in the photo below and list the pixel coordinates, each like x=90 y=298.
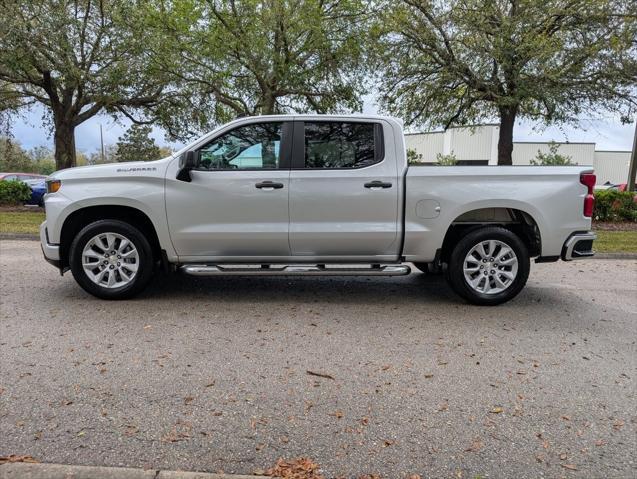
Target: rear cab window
x=339 y=145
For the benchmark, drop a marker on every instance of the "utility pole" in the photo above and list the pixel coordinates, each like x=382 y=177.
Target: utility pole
x=632 y=170
x=102 y=145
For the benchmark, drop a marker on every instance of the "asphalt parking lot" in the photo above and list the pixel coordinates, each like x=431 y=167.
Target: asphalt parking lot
x=217 y=374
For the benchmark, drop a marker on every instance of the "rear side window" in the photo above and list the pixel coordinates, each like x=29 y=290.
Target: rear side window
x=342 y=145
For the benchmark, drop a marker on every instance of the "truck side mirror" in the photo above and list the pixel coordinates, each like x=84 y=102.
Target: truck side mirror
x=187 y=162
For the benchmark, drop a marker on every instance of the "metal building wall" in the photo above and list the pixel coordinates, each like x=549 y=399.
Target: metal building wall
x=481 y=144
x=466 y=143
x=580 y=153
x=427 y=144
x=471 y=145
x=611 y=166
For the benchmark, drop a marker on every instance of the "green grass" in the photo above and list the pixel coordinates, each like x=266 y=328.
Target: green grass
x=21 y=221
x=29 y=222
x=616 y=242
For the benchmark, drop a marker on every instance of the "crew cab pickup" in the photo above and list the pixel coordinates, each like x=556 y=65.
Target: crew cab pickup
x=313 y=195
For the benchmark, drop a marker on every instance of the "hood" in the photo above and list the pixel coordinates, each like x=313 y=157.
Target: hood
x=113 y=170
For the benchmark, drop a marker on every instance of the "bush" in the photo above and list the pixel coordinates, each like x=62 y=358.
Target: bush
x=446 y=160
x=14 y=192
x=613 y=205
x=553 y=158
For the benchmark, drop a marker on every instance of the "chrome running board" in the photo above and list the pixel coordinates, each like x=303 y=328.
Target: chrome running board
x=297 y=270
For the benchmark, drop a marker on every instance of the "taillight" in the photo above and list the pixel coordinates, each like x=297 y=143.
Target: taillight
x=588 y=180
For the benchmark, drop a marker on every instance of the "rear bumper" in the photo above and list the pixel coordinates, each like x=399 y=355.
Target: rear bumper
x=51 y=251
x=579 y=245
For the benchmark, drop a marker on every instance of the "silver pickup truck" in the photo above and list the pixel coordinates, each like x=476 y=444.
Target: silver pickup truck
x=313 y=195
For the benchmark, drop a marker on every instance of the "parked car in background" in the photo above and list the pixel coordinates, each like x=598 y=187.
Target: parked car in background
x=21 y=176
x=313 y=195
x=34 y=181
x=38 y=190
x=621 y=187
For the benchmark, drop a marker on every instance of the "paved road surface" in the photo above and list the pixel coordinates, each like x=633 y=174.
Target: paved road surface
x=211 y=374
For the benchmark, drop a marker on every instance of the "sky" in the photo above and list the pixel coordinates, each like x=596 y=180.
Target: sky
x=607 y=133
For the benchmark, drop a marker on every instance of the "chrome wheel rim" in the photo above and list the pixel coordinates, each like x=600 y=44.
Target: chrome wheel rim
x=110 y=260
x=490 y=267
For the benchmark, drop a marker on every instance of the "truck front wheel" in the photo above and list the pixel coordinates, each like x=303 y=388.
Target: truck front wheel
x=111 y=259
x=488 y=266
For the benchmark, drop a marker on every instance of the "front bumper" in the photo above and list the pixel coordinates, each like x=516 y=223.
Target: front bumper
x=579 y=245
x=51 y=251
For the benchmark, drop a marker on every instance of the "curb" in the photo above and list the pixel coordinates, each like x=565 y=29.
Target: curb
x=615 y=256
x=23 y=470
x=19 y=236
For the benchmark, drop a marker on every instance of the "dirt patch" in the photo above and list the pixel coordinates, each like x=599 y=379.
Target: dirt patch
x=22 y=209
x=614 y=226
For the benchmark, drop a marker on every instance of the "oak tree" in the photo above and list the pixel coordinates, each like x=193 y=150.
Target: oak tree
x=77 y=58
x=250 y=57
x=465 y=61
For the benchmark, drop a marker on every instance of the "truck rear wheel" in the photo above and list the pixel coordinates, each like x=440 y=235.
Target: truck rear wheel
x=111 y=259
x=488 y=266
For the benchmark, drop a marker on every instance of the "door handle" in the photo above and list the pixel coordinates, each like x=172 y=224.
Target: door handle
x=269 y=184
x=377 y=184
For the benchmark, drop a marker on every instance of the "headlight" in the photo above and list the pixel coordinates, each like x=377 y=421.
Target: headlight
x=53 y=185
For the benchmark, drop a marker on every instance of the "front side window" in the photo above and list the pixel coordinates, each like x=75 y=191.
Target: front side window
x=255 y=146
x=339 y=145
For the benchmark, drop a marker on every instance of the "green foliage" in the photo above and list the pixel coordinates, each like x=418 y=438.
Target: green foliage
x=446 y=160
x=468 y=61
x=136 y=145
x=13 y=157
x=254 y=57
x=413 y=157
x=613 y=205
x=13 y=192
x=552 y=158
x=77 y=59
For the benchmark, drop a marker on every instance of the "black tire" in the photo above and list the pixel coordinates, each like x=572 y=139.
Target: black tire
x=455 y=271
x=145 y=255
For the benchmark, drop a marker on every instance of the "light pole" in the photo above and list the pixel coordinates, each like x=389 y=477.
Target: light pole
x=102 y=145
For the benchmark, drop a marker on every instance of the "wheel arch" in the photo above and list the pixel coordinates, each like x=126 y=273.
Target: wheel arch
x=79 y=218
x=518 y=221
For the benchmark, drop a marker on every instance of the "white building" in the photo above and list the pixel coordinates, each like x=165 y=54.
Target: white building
x=479 y=146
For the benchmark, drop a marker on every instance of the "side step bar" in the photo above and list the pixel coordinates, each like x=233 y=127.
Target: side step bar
x=297 y=270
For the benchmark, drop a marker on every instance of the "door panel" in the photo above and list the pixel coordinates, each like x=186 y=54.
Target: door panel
x=223 y=213
x=236 y=203
x=332 y=212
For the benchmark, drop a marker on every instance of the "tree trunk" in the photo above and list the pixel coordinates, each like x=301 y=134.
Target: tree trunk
x=505 y=141
x=64 y=144
x=632 y=169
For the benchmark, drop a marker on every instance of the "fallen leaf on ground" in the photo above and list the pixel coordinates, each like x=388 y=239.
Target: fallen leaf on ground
x=300 y=468
x=16 y=458
x=497 y=410
x=320 y=375
x=570 y=467
x=188 y=400
x=337 y=414
x=475 y=446
x=563 y=456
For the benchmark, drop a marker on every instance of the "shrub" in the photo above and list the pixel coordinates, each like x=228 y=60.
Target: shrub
x=446 y=160
x=413 y=157
x=14 y=192
x=553 y=158
x=613 y=205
